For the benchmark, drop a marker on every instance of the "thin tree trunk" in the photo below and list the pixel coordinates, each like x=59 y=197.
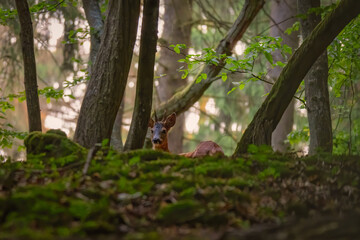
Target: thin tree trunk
x=70 y=48
x=107 y=83
x=116 y=136
x=184 y=99
x=316 y=88
x=177 y=29
x=267 y=117
x=282 y=15
x=30 y=81
x=94 y=18
x=145 y=76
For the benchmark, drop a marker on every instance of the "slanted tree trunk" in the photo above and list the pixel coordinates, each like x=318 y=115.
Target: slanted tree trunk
x=283 y=14
x=94 y=18
x=116 y=136
x=184 y=99
x=30 y=81
x=107 y=83
x=267 y=117
x=316 y=87
x=145 y=76
x=177 y=29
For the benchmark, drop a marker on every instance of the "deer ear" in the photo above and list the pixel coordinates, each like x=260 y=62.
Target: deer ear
x=151 y=123
x=170 y=121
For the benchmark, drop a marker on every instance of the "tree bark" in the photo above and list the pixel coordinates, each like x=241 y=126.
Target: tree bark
x=283 y=14
x=145 y=77
x=30 y=81
x=267 y=117
x=94 y=18
x=70 y=48
x=107 y=83
x=184 y=99
x=177 y=29
x=316 y=88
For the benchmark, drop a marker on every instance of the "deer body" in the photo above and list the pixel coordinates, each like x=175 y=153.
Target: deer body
x=160 y=129
x=206 y=148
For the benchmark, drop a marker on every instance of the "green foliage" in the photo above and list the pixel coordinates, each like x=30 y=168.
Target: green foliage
x=261 y=46
x=6 y=15
x=299 y=136
x=7 y=137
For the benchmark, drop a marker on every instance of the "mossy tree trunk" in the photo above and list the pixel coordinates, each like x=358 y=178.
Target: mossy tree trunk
x=267 y=117
x=107 y=83
x=30 y=78
x=177 y=30
x=316 y=87
x=184 y=99
x=283 y=14
x=145 y=76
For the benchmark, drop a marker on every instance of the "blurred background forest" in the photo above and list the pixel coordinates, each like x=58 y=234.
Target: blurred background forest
x=62 y=48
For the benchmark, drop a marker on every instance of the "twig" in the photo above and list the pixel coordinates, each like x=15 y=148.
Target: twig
x=90 y=155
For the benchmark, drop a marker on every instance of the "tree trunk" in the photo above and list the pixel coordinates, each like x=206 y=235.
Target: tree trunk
x=94 y=18
x=95 y=21
x=184 y=99
x=267 y=117
x=177 y=29
x=107 y=83
x=70 y=48
x=116 y=136
x=27 y=45
x=316 y=88
x=145 y=76
x=283 y=14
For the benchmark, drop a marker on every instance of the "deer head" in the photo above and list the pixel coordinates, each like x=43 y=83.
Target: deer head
x=159 y=131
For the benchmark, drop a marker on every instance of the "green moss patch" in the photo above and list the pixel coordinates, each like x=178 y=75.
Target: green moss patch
x=139 y=194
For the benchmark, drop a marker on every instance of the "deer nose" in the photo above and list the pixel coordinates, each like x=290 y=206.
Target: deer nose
x=156 y=140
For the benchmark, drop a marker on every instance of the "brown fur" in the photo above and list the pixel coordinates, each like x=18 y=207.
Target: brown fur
x=161 y=129
x=206 y=148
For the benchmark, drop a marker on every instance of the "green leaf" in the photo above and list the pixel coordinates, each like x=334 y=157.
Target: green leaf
x=233 y=89
x=268 y=57
x=184 y=75
x=198 y=79
x=177 y=49
x=241 y=86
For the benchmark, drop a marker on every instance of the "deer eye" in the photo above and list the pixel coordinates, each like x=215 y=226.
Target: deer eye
x=164 y=131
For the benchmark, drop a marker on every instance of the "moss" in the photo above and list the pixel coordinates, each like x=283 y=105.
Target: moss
x=180 y=212
x=53 y=144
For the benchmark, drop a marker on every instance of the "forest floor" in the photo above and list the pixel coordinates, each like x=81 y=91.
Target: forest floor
x=154 y=195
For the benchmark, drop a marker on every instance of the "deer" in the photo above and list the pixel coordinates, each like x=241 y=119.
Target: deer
x=159 y=138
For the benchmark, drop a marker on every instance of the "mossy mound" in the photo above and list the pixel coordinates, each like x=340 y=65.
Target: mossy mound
x=146 y=194
x=52 y=144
